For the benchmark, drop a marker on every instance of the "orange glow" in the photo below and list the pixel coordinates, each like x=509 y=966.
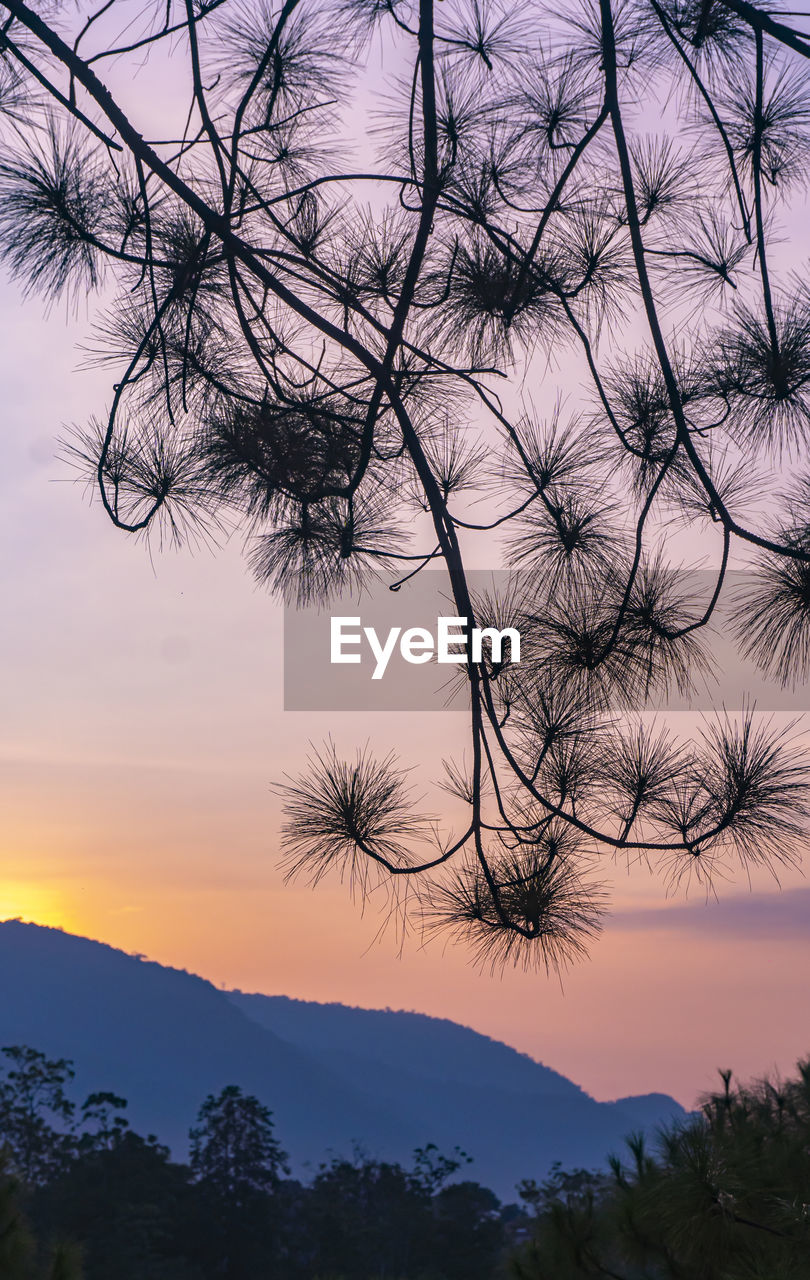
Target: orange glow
x=40 y=903
x=141 y=726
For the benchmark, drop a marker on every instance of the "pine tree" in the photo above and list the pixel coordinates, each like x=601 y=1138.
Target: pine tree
x=344 y=359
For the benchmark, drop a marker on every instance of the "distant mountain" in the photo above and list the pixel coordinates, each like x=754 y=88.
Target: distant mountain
x=458 y=1087
x=164 y=1039
x=334 y=1076
x=433 y=1048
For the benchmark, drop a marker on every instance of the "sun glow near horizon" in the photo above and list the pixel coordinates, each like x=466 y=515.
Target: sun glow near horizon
x=39 y=903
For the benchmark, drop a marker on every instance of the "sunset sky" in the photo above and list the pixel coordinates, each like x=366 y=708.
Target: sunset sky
x=142 y=725
x=141 y=728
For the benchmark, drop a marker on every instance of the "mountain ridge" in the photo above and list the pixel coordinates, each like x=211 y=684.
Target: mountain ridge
x=316 y=1024
x=335 y=1076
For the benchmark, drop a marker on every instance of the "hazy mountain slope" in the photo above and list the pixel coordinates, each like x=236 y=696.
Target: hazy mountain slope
x=433 y=1047
x=512 y=1114
x=333 y=1075
x=164 y=1038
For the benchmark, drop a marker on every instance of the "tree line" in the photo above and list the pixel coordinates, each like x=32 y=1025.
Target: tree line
x=723 y=1194
x=85 y=1197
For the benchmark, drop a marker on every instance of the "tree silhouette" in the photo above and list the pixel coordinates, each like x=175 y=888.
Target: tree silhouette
x=15 y=1241
x=344 y=355
x=237 y=1162
x=365 y=1217
x=103 y=1122
x=723 y=1196
x=233 y=1145
x=125 y=1203
x=118 y=1205
x=35 y=1112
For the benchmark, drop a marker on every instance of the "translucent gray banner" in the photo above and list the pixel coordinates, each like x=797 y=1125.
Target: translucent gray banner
x=404 y=650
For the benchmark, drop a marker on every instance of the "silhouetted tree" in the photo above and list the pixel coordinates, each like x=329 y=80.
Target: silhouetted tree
x=116 y=1205
x=234 y=1147
x=237 y=1163
x=16 y=1246
x=467 y=1232
x=432 y=1168
x=365 y=1217
x=103 y=1122
x=725 y=1196
x=19 y=1258
x=344 y=355
x=126 y=1205
x=35 y=1113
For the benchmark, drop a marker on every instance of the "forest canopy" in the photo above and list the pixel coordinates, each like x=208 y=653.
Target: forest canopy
x=720 y=1194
